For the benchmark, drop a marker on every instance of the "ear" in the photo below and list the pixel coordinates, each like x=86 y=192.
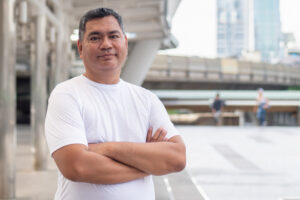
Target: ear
x=126 y=41
x=79 y=47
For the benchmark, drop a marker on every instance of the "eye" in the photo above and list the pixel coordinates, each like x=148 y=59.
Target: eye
x=114 y=36
x=94 y=39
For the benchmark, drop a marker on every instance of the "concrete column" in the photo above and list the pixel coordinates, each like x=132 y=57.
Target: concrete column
x=55 y=76
x=298 y=117
x=7 y=99
x=69 y=56
x=57 y=64
x=60 y=70
x=241 y=117
x=66 y=56
x=140 y=60
x=39 y=94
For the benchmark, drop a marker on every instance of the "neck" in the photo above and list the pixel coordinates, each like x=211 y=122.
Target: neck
x=103 y=78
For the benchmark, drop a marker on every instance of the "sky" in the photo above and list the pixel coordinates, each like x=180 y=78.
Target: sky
x=194 y=26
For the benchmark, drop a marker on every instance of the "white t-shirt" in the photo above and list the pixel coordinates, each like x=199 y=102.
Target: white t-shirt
x=81 y=111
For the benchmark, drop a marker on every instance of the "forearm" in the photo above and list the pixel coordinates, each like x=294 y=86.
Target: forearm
x=156 y=158
x=86 y=166
x=104 y=170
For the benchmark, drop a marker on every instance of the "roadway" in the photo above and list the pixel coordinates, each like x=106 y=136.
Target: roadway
x=223 y=163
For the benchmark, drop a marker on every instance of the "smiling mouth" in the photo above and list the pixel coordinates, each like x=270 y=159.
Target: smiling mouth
x=106 y=55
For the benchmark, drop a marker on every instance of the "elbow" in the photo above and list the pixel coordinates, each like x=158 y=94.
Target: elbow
x=180 y=162
x=74 y=173
x=71 y=176
x=180 y=165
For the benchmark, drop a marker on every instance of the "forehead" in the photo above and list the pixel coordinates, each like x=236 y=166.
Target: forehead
x=104 y=24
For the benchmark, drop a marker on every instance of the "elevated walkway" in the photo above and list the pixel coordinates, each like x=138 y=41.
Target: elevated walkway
x=183 y=72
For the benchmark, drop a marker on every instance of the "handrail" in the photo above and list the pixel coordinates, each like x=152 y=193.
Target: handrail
x=167 y=67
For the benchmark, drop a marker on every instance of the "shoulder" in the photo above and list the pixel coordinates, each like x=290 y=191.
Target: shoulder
x=143 y=95
x=137 y=89
x=66 y=89
x=69 y=86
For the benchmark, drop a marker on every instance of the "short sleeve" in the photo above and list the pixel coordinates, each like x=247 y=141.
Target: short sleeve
x=64 y=124
x=160 y=118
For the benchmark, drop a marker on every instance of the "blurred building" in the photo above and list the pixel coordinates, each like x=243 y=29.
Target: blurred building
x=233 y=27
x=251 y=56
x=249 y=26
x=292 y=58
x=267 y=29
x=289 y=40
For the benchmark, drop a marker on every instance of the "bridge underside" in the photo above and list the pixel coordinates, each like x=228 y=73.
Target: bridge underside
x=210 y=85
x=182 y=72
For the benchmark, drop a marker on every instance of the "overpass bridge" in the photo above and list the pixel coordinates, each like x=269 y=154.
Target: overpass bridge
x=181 y=72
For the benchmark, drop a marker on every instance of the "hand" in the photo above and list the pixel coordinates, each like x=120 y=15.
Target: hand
x=159 y=136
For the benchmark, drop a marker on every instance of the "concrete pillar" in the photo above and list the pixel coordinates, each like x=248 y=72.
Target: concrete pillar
x=281 y=118
x=57 y=64
x=60 y=53
x=61 y=67
x=66 y=56
x=139 y=61
x=241 y=118
x=7 y=99
x=39 y=94
x=298 y=116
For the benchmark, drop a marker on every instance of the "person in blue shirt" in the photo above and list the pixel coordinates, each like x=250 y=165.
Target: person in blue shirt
x=262 y=104
x=217 y=108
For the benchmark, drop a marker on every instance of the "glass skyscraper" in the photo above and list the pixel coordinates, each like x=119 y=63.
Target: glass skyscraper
x=248 y=25
x=267 y=29
x=232 y=27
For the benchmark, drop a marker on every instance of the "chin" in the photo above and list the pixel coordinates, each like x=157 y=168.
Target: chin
x=109 y=67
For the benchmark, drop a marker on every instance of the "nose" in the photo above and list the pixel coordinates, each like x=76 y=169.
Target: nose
x=105 y=44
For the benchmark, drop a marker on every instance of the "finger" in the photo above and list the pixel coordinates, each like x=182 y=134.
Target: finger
x=156 y=135
x=162 y=135
x=149 y=134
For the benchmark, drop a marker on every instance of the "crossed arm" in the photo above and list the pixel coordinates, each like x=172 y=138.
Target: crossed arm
x=117 y=162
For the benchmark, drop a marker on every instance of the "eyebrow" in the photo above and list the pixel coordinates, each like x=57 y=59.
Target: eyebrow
x=100 y=33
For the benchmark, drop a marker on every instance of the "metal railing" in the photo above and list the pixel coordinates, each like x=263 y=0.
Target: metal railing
x=181 y=68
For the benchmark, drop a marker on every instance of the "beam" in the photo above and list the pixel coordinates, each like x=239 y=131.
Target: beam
x=42 y=8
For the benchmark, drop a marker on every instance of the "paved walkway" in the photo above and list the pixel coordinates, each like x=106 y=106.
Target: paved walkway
x=244 y=163
x=224 y=163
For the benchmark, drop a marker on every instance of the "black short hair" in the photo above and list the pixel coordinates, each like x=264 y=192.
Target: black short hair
x=98 y=13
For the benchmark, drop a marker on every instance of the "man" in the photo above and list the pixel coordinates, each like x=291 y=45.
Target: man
x=217 y=108
x=262 y=104
x=107 y=136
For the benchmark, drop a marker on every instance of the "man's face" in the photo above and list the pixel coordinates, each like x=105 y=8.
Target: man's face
x=104 y=46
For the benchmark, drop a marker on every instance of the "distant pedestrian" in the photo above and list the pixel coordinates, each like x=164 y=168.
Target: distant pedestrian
x=217 y=108
x=262 y=104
